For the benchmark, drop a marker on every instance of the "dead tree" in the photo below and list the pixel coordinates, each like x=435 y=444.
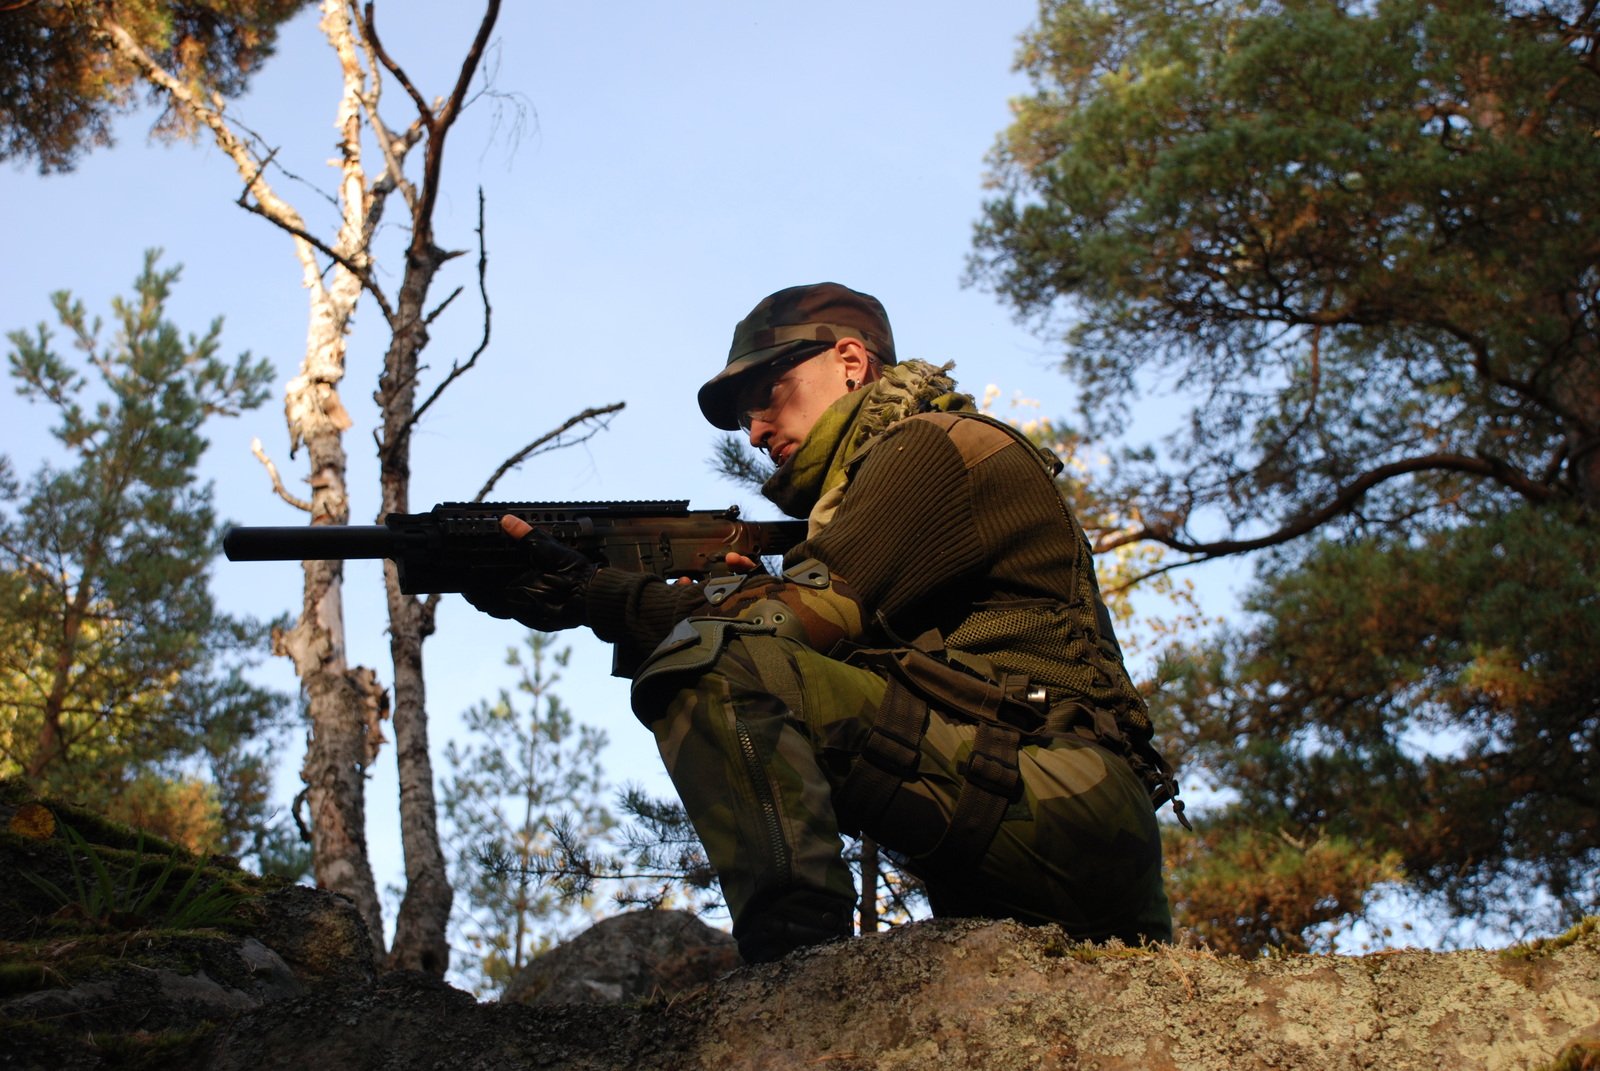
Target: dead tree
x=346 y=703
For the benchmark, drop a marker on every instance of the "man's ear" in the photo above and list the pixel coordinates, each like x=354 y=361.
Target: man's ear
x=858 y=363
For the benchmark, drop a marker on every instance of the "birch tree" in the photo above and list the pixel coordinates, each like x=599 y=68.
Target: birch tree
x=346 y=703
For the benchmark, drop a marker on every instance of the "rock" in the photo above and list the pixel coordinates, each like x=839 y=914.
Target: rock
x=997 y=995
x=994 y=996
x=290 y=982
x=100 y=964
x=641 y=955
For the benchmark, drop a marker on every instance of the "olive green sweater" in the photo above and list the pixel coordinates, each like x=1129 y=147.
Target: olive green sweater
x=947 y=521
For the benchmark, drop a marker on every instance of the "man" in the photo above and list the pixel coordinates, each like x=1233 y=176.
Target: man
x=934 y=667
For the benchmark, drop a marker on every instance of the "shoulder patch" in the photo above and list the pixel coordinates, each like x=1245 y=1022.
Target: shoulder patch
x=974 y=437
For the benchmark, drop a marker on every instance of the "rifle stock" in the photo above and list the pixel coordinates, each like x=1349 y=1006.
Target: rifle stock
x=459 y=546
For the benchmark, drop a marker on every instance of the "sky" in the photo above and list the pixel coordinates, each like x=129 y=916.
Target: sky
x=673 y=163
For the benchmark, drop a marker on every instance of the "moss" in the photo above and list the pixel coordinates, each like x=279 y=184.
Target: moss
x=1544 y=946
x=15 y=1030
x=99 y=830
x=1089 y=953
x=49 y=963
x=142 y=1050
x=26 y=976
x=136 y=1051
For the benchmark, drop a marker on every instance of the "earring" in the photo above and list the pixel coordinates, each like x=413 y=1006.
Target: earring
x=849 y=384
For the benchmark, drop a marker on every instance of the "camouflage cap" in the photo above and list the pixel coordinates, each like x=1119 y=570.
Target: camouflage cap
x=788 y=324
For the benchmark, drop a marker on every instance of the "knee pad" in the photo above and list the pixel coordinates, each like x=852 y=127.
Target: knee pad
x=692 y=647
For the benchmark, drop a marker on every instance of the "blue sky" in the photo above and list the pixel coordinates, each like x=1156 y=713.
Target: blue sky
x=675 y=163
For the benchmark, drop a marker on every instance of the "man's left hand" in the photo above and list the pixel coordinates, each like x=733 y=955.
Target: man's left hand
x=550 y=595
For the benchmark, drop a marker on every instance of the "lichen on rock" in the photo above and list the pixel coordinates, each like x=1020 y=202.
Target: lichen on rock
x=292 y=984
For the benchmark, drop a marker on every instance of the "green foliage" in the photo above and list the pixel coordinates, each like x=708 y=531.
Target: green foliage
x=120 y=682
x=1247 y=891
x=520 y=798
x=1432 y=698
x=1359 y=240
x=103 y=900
x=1362 y=235
x=735 y=460
x=60 y=85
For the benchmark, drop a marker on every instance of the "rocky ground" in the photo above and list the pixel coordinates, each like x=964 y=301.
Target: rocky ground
x=282 y=976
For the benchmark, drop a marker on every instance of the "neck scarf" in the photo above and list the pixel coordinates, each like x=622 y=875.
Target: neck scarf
x=813 y=481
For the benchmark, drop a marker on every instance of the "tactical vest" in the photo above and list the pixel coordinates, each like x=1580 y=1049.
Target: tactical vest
x=1025 y=671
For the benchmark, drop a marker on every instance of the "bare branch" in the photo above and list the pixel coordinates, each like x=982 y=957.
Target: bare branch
x=370 y=32
x=295 y=808
x=277 y=482
x=295 y=230
x=394 y=149
x=1152 y=574
x=438 y=123
x=256 y=137
x=445 y=304
x=244 y=161
x=456 y=371
x=552 y=441
x=1346 y=500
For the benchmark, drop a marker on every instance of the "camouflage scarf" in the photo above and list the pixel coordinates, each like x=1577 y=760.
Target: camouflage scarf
x=813 y=481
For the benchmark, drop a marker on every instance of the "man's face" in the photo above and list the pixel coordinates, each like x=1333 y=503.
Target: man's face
x=779 y=408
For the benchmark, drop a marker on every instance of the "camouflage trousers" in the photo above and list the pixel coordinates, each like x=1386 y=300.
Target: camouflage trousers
x=758 y=734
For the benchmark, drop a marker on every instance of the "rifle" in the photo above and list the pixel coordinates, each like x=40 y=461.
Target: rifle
x=459 y=546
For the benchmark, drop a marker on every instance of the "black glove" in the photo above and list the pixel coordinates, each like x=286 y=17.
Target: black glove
x=550 y=595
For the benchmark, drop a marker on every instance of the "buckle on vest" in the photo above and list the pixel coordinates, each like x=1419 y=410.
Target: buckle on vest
x=992 y=766
x=892 y=753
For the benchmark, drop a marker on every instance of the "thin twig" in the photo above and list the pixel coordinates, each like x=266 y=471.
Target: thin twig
x=277 y=483
x=1142 y=577
x=367 y=281
x=256 y=137
x=550 y=441
x=456 y=371
x=445 y=304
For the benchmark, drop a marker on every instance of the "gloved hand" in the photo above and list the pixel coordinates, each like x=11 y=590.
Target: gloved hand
x=550 y=595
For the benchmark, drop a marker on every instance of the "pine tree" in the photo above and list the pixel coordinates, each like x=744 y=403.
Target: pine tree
x=60 y=86
x=121 y=684
x=1359 y=241
x=525 y=790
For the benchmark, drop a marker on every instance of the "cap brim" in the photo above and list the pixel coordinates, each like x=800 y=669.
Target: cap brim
x=719 y=393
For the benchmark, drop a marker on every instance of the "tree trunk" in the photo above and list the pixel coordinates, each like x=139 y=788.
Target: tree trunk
x=52 y=734
x=419 y=940
x=870 y=873
x=344 y=704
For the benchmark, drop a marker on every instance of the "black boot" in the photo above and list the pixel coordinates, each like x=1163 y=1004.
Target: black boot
x=795 y=918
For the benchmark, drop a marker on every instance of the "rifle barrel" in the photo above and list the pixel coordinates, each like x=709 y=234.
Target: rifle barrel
x=316 y=542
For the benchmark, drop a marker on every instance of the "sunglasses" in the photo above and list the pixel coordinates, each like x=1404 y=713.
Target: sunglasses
x=755 y=401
